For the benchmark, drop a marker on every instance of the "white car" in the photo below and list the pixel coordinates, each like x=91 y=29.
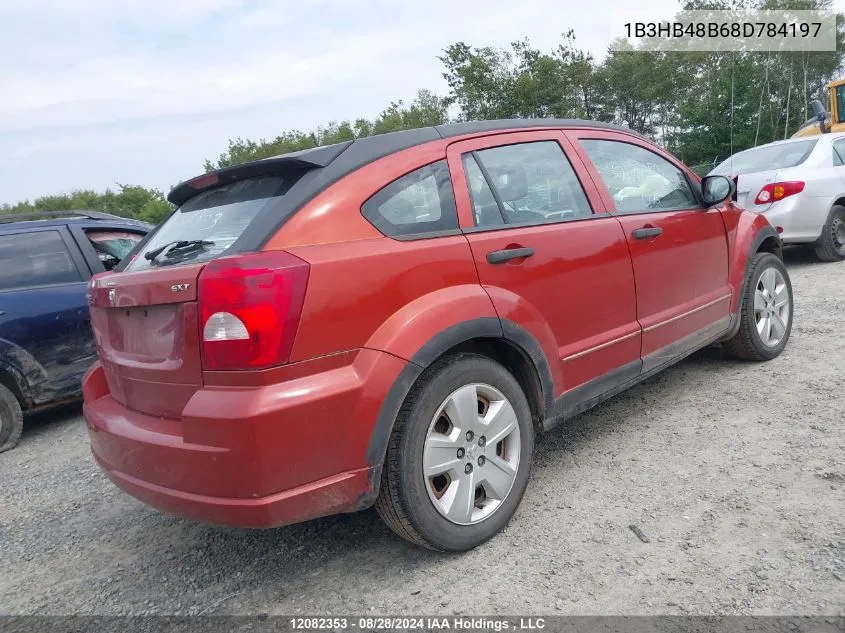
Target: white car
x=799 y=185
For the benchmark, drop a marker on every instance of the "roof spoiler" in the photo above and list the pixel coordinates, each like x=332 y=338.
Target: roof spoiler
x=301 y=160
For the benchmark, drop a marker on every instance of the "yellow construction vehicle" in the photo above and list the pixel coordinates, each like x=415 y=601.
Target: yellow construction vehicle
x=830 y=119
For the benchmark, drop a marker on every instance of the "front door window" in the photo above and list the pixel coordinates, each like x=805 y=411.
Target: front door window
x=639 y=180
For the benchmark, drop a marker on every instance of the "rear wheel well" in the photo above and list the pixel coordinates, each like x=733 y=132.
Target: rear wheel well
x=517 y=362
x=839 y=202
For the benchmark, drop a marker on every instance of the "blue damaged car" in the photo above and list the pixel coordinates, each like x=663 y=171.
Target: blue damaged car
x=46 y=342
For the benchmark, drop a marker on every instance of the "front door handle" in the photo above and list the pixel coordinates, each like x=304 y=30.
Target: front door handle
x=647 y=232
x=500 y=257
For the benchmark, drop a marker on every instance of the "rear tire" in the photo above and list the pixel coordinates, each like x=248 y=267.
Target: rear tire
x=444 y=486
x=830 y=246
x=11 y=419
x=765 y=316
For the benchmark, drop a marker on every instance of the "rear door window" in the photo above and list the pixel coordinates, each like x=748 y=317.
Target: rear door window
x=485 y=209
x=417 y=204
x=210 y=222
x=532 y=183
x=839 y=152
x=36 y=258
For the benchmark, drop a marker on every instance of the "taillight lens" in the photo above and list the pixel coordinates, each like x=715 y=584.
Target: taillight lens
x=249 y=309
x=98 y=293
x=778 y=191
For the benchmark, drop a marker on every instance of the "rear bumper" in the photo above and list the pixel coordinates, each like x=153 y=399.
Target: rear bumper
x=798 y=219
x=252 y=456
x=333 y=495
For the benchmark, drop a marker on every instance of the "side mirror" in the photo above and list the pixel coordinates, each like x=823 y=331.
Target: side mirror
x=818 y=109
x=716 y=189
x=821 y=115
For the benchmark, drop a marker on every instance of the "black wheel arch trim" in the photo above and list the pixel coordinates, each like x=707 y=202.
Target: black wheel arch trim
x=486 y=327
x=526 y=342
x=762 y=235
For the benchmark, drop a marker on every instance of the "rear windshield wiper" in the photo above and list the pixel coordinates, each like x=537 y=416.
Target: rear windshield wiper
x=176 y=248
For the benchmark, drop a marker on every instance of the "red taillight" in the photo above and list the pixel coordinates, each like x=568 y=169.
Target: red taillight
x=98 y=293
x=249 y=309
x=778 y=191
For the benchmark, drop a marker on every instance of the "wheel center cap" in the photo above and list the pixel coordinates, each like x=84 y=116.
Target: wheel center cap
x=473 y=450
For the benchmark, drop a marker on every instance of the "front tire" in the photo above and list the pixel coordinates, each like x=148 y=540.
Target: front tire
x=830 y=246
x=765 y=317
x=460 y=455
x=11 y=419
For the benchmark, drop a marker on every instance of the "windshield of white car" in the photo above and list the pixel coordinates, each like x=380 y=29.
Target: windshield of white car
x=766 y=158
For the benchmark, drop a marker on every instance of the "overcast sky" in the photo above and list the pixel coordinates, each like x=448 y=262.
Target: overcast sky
x=98 y=92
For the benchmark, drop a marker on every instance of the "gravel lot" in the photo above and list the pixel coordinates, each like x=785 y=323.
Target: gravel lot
x=734 y=471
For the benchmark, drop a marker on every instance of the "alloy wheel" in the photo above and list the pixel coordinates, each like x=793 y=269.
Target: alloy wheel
x=772 y=307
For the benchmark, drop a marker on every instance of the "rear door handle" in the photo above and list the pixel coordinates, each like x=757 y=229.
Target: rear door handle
x=500 y=257
x=645 y=233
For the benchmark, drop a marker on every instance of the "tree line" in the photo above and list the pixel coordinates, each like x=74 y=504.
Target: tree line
x=700 y=106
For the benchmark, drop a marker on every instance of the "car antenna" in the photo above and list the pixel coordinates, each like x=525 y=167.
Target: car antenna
x=731 y=164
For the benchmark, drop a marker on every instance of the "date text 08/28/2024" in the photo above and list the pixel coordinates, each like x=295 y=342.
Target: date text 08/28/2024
x=427 y=623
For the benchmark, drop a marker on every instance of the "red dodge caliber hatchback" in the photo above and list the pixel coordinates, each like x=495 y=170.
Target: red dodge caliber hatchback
x=391 y=320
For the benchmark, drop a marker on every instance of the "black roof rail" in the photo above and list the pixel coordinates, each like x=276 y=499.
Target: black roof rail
x=47 y=215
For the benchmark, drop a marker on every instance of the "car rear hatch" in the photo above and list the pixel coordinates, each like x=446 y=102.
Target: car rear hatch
x=196 y=296
x=146 y=330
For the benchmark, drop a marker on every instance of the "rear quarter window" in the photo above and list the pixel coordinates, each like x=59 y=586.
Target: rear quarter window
x=415 y=205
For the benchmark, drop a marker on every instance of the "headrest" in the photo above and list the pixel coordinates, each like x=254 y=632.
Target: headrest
x=511 y=183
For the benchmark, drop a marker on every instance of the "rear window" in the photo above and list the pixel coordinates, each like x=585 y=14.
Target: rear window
x=210 y=222
x=767 y=158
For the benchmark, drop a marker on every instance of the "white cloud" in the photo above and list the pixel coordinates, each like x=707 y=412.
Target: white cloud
x=96 y=91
